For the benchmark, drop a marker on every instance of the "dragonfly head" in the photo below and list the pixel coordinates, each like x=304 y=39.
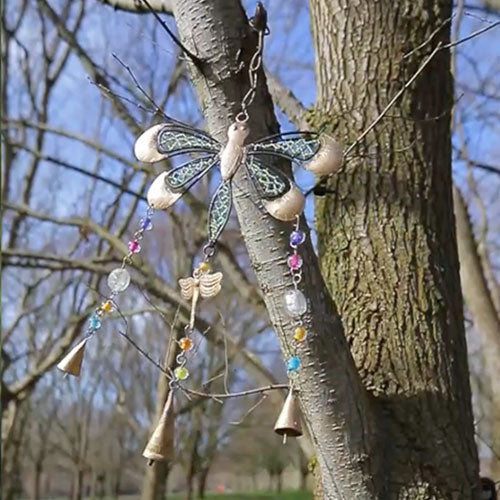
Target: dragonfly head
x=238 y=132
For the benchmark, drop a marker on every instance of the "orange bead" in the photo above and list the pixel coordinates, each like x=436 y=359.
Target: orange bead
x=185 y=344
x=300 y=334
x=107 y=306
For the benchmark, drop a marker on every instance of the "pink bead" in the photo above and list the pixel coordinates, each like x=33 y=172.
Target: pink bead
x=133 y=246
x=295 y=261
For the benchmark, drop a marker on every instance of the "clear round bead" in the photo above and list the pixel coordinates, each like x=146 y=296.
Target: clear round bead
x=295 y=302
x=119 y=280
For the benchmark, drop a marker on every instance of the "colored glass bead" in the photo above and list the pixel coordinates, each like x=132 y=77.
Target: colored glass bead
x=118 y=280
x=300 y=334
x=295 y=302
x=297 y=238
x=146 y=224
x=185 y=344
x=293 y=364
x=134 y=246
x=205 y=267
x=106 y=306
x=181 y=373
x=295 y=261
x=94 y=322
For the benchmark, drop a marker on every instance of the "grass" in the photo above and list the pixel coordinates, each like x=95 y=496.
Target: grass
x=284 y=495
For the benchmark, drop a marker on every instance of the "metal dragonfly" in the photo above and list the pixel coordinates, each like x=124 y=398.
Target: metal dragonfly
x=280 y=196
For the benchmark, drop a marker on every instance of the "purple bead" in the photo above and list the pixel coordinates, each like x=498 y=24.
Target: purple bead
x=146 y=224
x=296 y=238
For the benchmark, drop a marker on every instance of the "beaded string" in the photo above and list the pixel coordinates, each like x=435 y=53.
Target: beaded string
x=119 y=279
x=295 y=300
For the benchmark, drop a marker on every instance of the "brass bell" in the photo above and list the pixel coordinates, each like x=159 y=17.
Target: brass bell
x=72 y=362
x=161 y=443
x=288 y=423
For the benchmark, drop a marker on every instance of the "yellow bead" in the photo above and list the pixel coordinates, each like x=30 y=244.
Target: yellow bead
x=300 y=334
x=185 y=344
x=205 y=267
x=106 y=306
x=181 y=373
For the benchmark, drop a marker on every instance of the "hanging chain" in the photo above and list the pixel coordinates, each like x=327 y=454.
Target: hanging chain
x=259 y=24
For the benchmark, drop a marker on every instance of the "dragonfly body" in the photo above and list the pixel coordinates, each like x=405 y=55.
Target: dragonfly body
x=233 y=154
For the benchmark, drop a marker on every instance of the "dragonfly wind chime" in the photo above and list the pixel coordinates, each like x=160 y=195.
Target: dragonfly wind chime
x=280 y=197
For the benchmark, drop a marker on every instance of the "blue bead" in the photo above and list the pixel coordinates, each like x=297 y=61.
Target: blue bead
x=296 y=238
x=94 y=322
x=146 y=224
x=293 y=364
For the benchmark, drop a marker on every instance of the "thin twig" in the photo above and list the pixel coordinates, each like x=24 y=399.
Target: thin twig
x=195 y=59
x=136 y=346
x=257 y=390
x=250 y=410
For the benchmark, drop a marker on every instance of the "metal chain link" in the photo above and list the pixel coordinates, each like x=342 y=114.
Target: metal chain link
x=253 y=73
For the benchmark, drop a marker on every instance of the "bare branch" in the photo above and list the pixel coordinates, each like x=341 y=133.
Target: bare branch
x=137 y=7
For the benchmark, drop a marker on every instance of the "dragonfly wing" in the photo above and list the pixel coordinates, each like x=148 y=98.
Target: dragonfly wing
x=269 y=182
x=210 y=285
x=187 y=174
x=166 y=140
x=187 y=287
x=300 y=146
x=219 y=210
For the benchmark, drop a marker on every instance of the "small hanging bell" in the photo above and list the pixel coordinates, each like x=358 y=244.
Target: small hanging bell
x=288 y=423
x=161 y=443
x=72 y=362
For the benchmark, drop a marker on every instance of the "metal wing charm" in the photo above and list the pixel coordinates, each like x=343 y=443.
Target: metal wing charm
x=299 y=146
x=269 y=182
x=210 y=284
x=187 y=174
x=219 y=210
x=202 y=284
x=166 y=140
x=187 y=287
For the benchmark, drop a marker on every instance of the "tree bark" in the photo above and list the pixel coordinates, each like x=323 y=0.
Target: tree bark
x=336 y=408
x=386 y=237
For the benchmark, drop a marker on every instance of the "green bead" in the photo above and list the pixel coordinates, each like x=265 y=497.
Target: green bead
x=181 y=373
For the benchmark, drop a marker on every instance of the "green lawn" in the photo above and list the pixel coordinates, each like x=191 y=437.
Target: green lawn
x=285 y=495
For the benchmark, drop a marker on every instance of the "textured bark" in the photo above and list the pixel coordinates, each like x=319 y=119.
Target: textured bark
x=386 y=237
x=336 y=408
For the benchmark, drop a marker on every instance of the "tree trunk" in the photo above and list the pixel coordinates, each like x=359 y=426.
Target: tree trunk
x=37 y=480
x=386 y=237
x=155 y=478
x=78 y=483
x=337 y=409
x=202 y=481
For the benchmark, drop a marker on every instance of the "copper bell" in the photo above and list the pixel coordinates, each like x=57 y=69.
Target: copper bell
x=288 y=423
x=161 y=444
x=72 y=362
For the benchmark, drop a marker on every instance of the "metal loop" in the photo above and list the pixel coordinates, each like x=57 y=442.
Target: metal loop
x=297 y=278
x=242 y=116
x=209 y=250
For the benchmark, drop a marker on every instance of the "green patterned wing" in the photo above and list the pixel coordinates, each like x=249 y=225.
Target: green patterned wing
x=175 y=139
x=219 y=210
x=182 y=177
x=269 y=182
x=298 y=146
